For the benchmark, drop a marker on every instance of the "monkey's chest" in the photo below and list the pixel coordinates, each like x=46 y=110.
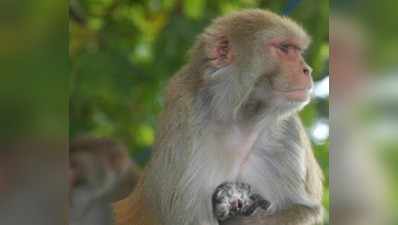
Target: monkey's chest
x=241 y=147
x=268 y=166
x=277 y=175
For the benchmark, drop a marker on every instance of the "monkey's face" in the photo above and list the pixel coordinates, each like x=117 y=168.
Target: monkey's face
x=93 y=169
x=287 y=83
x=88 y=169
x=277 y=77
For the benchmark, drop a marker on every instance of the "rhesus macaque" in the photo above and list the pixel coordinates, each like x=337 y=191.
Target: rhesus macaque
x=100 y=173
x=231 y=117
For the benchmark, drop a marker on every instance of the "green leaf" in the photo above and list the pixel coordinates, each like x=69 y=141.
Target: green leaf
x=145 y=135
x=194 y=8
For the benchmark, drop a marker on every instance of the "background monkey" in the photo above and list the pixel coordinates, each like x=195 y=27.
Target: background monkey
x=100 y=173
x=230 y=116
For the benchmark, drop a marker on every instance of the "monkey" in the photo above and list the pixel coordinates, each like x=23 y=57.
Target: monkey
x=100 y=173
x=231 y=115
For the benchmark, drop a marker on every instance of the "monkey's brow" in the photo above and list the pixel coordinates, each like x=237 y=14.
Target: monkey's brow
x=296 y=47
x=292 y=45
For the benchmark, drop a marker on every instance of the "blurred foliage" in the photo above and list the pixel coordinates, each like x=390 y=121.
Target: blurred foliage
x=122 y=53
x=378 y=22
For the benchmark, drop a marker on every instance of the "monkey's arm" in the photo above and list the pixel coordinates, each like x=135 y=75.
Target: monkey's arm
x=296 y=214
x=126 y=184
x=134 y=210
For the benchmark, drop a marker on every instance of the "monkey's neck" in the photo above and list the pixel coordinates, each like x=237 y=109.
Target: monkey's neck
x=230 y=143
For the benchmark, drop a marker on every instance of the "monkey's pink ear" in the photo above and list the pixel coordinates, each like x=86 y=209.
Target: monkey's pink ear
x=220 y=52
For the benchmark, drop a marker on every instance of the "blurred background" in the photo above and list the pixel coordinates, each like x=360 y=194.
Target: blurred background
x=113 y=58
x=363 y=112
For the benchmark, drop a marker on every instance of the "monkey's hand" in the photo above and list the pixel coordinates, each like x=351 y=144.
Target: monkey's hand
x=236 y=199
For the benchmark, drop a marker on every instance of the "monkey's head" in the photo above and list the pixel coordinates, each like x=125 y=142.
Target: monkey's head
x=253 y=60
x=100 y=165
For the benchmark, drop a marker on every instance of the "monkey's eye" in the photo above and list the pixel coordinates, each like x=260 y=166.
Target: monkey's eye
x=285 y=48
x=290 y=48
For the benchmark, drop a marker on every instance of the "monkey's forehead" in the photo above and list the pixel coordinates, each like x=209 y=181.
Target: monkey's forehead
x=256 y=23
x=280 y=32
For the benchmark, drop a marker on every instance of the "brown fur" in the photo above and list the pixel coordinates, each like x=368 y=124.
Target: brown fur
x=135 y=210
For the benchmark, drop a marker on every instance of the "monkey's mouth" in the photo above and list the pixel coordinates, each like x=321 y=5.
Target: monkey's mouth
x=300 y=94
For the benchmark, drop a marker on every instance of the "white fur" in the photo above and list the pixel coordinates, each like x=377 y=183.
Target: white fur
x=229 y=153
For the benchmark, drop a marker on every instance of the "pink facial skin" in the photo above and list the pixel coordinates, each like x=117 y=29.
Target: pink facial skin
x=297 y=73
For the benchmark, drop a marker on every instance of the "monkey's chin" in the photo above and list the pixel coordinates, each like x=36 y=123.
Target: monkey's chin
x=298 y=95
x=293 y=101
